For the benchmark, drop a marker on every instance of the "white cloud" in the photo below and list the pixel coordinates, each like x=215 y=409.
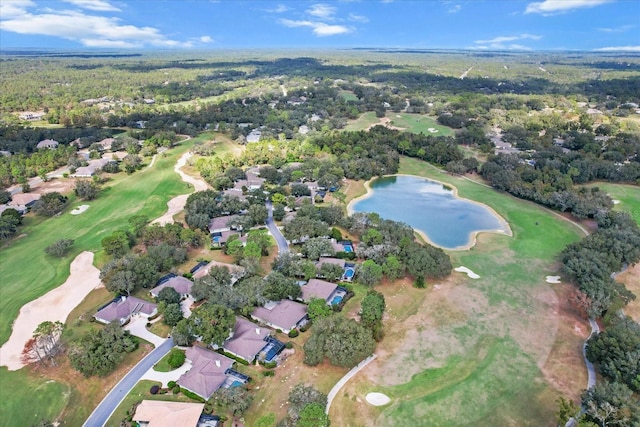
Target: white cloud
x=501 y=43
x=98 y=5
x=11 y=8
x=620 y=29
x=205 y=39
x=619 y=49
x=278 y=9
x=322 y=11
x=455 y=9
x=319 y=28
x=503 y=39
x=358 y=18
x=551 y=7
x=90 y=30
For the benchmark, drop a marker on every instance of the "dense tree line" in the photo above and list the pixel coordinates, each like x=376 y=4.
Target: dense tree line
x=17 y=168
x=592 y=261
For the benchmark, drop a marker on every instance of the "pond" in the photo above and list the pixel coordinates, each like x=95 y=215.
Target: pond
x=431 y=208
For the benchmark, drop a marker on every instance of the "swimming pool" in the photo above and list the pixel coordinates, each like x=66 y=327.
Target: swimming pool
x=349 y=273
x=336 y=300
x=348 y=248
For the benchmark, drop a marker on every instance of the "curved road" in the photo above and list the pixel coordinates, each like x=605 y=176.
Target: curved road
x=283 y=245
x=101 y=414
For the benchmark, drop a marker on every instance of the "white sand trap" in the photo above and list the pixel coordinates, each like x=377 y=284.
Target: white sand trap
x=176 y=204
x=469 y=273
x=553 y=279
x=615 y=202
x=378 y=399
x=398 y=116
x=433 y=130
x=79 y=210
x=54 y=306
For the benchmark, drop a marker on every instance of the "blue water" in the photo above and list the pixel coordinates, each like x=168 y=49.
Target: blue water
x=429 y=207
x=347 y=248
x=348 y=273
x=236 y=383
x=336 y=300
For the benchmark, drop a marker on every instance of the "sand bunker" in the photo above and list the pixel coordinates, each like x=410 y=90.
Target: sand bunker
x=433 y=130
x=79 y=210
x=55 y=305
x=378 y=399
x=176 y=204
x=615 y=202
x=553 y=279
x=469 y=273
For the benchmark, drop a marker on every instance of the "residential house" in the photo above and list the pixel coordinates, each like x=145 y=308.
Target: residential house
x=124 y=308
x=220 y=238
x=91 y=168
x=160 y=413
x=284 y=315
x=328 y=260
x=236 y=271
x=106 y=143
x=180 y=284
x=317 y=288
x=249 y=340
x=208 y=372
x=254 y=136
x=23 y=201
x=48 y=143
x=28 y=115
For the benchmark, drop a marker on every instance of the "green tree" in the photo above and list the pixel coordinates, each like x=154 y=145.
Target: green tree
x=369 y=273
x=237 y=400
x=343 y=341
x=117 y=244
x=317 y=247
x=5 y=197
x=212 y=322
x=99 y=352
x=182 y=334
x=611 y=404
x=176 y=358
x=313 y=416
x=59 y=248
x=257 y=214
x=8 y=226
x=318 y=308
x=172 y=314
x=278 y=287
x=50 y=204
x=86 y=190
x=372 y=309
x=169 y=296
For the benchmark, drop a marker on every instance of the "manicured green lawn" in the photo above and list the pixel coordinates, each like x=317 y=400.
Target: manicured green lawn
x=489 y=374
x=627 y=195
x=347 y=95
x=27 y=272
x=26 y=399
x=418 y=123
x=363 y=122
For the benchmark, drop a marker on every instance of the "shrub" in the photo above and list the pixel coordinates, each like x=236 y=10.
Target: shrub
x=289 y=344
x=268 y=373
x=171 y=384
x=175 y=389
x=192 y=395
x=419 y=283
x=176 y=358
x=269 y=365
x=154 y=389
x=293 y=333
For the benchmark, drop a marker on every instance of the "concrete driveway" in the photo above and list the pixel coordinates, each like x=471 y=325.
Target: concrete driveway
x=165 y=377
x=138 y=328
x=185 y=305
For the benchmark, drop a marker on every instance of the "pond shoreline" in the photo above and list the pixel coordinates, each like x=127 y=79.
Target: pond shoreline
x=506 y=231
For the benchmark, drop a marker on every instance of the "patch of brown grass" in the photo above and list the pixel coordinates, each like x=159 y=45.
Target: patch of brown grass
x=353 y=189
x=631 y=279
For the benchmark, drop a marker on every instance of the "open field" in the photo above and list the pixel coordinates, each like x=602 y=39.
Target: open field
x=627 y=195
x=365 y=121
x=493 y=351
x=347 y=95
x=29 y=273
x=418 y=123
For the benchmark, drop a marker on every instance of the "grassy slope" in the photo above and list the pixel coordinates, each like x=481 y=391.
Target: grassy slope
x=628 y=195
x=488 y=372
x=418 y=123
x=28 y=273
x=363 y=122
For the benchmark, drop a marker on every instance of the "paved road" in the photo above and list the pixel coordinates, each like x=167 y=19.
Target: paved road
x=336 y=388
x=283 y=245
x=109 y=404
x=591 y=372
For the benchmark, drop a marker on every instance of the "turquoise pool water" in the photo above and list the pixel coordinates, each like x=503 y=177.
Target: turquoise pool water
x=430 y=207
x=336 y=300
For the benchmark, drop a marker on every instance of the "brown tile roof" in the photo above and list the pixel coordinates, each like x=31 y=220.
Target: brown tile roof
x=182 y=285
x=327 y=260
x=158 y=413
x=125 y=307
x=317 y=289
x=284 y=314
x=207 y=373
x=23 y=199
x=236 y=271
x=247 y=340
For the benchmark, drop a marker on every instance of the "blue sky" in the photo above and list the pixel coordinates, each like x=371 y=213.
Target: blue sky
x=612 y=25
